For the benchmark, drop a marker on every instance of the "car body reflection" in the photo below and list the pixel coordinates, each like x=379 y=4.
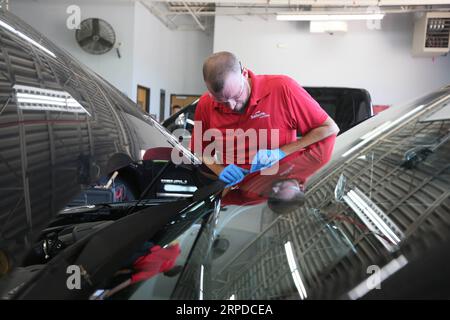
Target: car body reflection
x=382 y=200
x=382 y=205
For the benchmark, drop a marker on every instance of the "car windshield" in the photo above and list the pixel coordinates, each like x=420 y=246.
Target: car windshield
x=382 y=201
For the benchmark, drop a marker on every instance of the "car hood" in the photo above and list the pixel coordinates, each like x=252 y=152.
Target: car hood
x=62 y=127
x=381 y=202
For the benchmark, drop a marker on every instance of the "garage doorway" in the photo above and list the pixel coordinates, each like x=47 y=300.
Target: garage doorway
x=143 y=98
x=181 y=100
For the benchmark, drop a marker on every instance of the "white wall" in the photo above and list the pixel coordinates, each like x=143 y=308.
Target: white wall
x=49 y=17
x=377 y=60
x=165 y=59
x=151 y=55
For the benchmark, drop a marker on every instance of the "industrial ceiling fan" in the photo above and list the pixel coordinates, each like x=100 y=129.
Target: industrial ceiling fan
x=95 y=36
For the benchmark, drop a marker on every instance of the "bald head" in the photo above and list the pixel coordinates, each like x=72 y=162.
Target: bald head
x=217 y=67
x=286 y=196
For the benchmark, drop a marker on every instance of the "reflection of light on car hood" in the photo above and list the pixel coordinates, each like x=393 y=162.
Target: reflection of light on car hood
x=374 y=218
x=383 y=128
x=26 y=38
x=200 y=296
x=295 y=271
x=33 y=98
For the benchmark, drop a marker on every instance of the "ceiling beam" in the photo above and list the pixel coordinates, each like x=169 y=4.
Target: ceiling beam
x=201 y=26
x=324 y=3
x=158 y=14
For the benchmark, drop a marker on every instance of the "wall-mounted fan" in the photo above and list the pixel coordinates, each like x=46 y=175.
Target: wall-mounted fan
x=95 y=36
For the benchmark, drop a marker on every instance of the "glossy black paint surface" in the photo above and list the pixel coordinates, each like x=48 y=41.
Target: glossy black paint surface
x=49 y=152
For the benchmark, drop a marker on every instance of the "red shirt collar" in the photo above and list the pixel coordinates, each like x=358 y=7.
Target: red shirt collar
x=259 y=88
x=259 y=91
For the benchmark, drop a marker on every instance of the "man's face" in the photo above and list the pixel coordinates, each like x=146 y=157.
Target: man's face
x=235 y=93
x=286 y=189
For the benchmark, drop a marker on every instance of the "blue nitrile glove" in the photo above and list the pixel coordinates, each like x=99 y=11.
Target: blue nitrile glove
x=266 y=158
x=232 y=174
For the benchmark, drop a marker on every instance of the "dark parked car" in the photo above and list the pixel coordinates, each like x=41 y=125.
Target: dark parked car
x=375 y=225
x=88 y=181
x=64 y=131
x=347 y=106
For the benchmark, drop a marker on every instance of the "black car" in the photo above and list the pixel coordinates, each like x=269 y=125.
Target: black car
x=347 y=106
x=375 y=225
x=89 y=183
x=64 y=133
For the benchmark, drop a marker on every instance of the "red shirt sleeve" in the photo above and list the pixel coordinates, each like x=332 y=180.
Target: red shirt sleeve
x=312 y=159
x=304 y=112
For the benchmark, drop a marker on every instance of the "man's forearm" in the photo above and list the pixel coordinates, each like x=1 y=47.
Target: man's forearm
x=313 y=136
x=327 y=129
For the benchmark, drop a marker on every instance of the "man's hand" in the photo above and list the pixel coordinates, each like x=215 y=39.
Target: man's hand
x=232 y=174
x=266 y=158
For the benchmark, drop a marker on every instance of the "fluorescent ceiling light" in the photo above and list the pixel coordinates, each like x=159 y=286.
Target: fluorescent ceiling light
x=329 y=17
x=327 y=26
x=368 y=223
x=377 y=131
x=67 y=103
x=294 y=270
x=33 y=98
x=44 y=97
x=200 y=296
x=358 y=146
x=374 y=218
x=26 y=38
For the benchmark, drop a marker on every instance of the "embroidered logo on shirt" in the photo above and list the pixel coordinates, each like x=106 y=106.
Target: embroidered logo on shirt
x=259 y=114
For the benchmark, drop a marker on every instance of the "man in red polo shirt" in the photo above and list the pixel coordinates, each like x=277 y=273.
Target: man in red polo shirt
x=247 y=122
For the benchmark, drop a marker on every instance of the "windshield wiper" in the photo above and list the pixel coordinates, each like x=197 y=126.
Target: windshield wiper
x=418 y=154
x=414 y=156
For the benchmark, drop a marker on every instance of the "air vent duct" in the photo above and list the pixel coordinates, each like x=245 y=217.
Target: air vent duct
x=432 y=34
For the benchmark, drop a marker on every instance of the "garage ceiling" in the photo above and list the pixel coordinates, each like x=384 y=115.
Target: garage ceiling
x=186 y=15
